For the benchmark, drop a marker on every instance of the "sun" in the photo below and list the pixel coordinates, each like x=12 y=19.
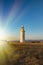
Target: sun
x=3 y=34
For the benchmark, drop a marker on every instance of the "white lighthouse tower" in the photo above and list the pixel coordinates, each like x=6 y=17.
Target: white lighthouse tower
x=22 y=34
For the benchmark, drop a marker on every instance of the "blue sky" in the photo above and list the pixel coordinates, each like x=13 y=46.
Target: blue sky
x=15 y=13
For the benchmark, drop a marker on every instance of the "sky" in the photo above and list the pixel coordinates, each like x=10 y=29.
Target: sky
x=15 y=13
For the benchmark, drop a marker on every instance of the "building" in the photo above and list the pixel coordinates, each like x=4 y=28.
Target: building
x=22 y=34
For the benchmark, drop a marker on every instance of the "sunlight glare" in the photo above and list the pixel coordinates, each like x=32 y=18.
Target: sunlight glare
x=2 y=35
x=2 y=43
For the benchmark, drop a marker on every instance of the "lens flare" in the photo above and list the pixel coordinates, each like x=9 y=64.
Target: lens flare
x=3 y=43
x=2 y=35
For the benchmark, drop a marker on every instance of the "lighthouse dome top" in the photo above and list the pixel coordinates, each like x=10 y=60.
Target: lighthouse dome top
x=22 y=28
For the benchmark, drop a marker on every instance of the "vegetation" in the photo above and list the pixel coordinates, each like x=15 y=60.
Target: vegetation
x=22 y=54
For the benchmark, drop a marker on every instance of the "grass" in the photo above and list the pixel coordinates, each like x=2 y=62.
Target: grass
x=17 y=53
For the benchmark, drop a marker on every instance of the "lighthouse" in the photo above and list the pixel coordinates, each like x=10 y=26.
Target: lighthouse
x=22 y=34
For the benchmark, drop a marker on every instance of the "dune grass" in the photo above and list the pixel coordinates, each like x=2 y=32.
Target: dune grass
x=16 y=53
